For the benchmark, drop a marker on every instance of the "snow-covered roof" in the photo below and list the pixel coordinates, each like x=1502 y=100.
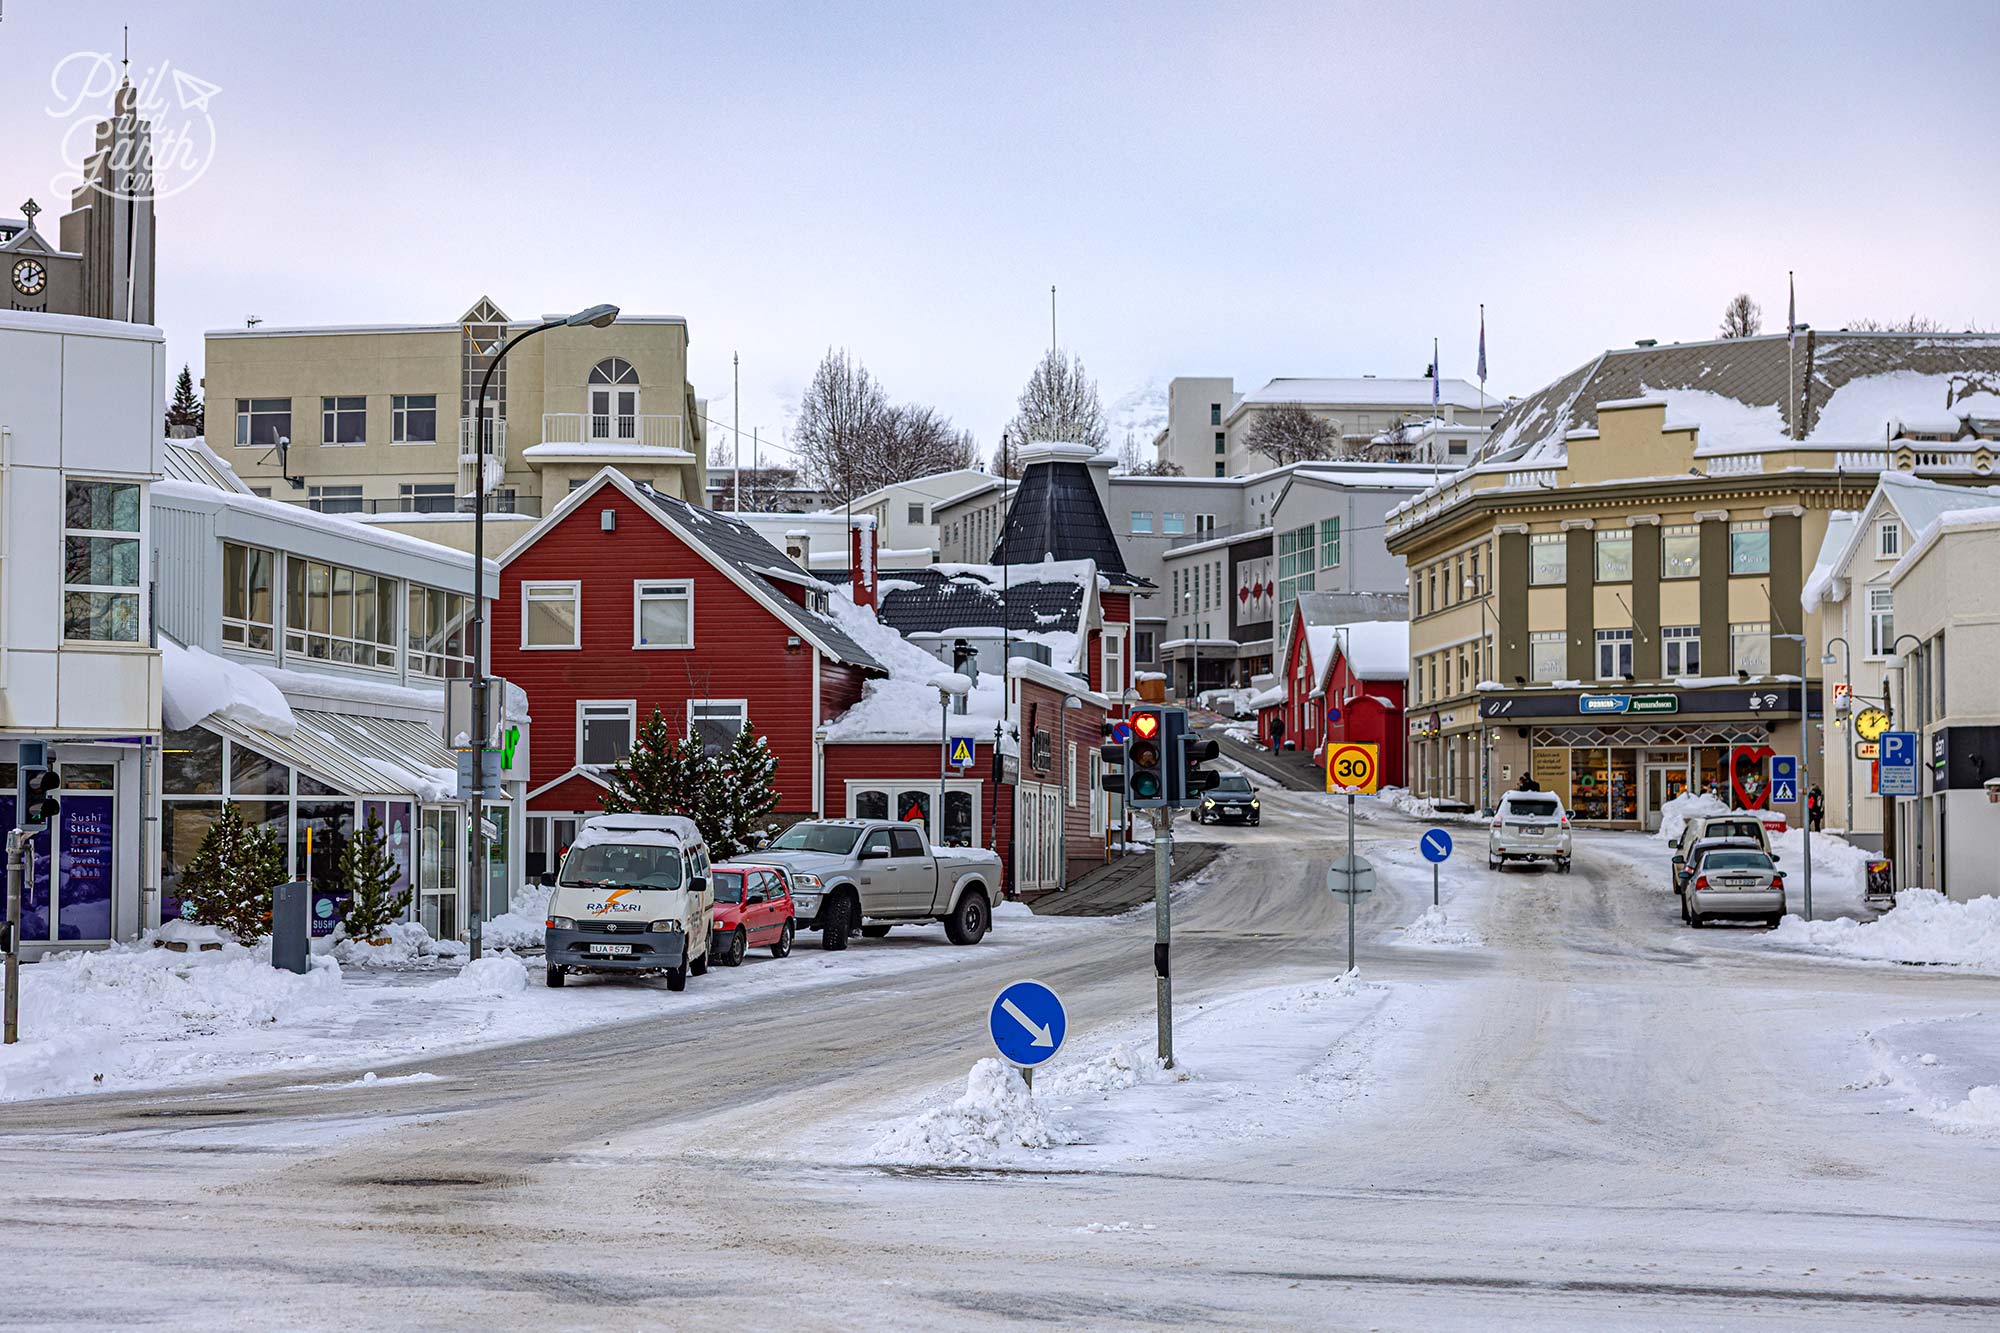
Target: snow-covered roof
x=1375 y=649
x=1832 y=556
x=903 y=705
x=1367 y=391
x=191 y=460
x=655 y=453
x=1917 y=501
x=1951 y=520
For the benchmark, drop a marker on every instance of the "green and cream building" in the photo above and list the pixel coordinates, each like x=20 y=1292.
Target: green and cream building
x=1610 y=599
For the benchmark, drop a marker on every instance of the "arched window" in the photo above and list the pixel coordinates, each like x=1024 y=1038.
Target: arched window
x=614 y=400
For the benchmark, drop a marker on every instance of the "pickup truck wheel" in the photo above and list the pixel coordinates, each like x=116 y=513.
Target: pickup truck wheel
x=967 y=922
x=874 y=932
x=739 y=944
x=835 y=920
x=784 y=944
x=677 y=978
x=555 y=976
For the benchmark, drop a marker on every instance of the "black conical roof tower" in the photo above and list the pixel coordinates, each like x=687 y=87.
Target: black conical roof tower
x=1055 y=513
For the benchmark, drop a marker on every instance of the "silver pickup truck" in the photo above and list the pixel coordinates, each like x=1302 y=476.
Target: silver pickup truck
x=869 y=874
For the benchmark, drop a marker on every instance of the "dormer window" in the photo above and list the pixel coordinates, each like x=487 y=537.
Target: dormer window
x=1889 y=539
x=614 y=400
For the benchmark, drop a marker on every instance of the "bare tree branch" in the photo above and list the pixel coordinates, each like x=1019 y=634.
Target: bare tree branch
x=1289 y=433
x=1742 y=317
x=1059 y=405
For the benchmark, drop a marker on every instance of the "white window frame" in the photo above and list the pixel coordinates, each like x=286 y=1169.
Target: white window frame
x=330 y=412
x=1881 y=621
x=1545 y=541
x=1114 y=652
x=1749 y=630
x=1069 y=777
x=1620 y=642
x=1173 y=523
x=630 y=708
x=614 y=416
x=399 y=417
x=640 y=588
x=244 y=626
x=1099 y=806
x=887 y=788
x=1672 y=636
x=742 y=707
x=247 y=414
x=574 y=589
x=1677 y=532
x=916 y=514
x=142 y=537
x=1141 y=524
x=1889 y=539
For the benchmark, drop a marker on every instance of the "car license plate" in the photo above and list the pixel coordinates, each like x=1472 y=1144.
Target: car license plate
x=611 y=948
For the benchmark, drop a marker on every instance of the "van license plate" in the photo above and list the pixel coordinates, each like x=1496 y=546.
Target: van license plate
x=611 y=948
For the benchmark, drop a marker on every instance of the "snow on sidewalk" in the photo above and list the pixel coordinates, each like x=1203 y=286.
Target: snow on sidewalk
x=1248 y=1066
x=1925 y=927
x=1436 y=930
x=1943 y=1069
x=134 y=1016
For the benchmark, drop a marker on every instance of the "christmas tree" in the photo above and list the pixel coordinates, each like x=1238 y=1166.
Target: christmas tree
x=229 y=880
x=744 y=795
x=185 y=410
x=660 y=775
x=668 y=772
x=368 y=875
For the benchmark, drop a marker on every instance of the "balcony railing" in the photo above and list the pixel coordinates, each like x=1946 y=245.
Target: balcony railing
x=652 y=432
x=496 y=438
x=497 y=502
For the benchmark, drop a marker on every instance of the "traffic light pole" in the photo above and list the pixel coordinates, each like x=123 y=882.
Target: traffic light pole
x=18 y=841
x=1163 y=982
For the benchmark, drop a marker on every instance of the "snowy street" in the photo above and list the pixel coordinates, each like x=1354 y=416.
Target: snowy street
x=1569 y=1108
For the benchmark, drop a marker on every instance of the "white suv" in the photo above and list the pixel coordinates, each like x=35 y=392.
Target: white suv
x=1529 y=826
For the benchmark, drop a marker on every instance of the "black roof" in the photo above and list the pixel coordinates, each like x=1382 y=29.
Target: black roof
x=937 y=601
x=1055 y=513
x=738 y=545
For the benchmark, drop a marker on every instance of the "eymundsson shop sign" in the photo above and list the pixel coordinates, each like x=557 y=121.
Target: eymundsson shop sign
x=1776 y=699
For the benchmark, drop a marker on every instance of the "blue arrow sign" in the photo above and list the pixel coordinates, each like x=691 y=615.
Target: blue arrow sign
x=1028 y=1024
x=959 y=753
x=1436 y=844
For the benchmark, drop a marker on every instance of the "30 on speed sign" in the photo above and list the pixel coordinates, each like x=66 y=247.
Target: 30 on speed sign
x=1352 y=767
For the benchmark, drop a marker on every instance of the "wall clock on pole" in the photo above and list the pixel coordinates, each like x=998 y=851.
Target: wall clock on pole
x=30 y=276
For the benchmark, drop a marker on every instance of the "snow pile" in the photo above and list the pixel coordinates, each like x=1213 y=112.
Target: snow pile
x=1675 y=814
x=182 y=931
x=1925 y=927
x=1400 y=800
x=1979 y=1111
x=1435 y=929
x=1123 y=1066
x=197 y=684
x=1723 y=423
x=407 y=942
x=497 y=978
x=88 y=1018
x=1840 y=869
x=996 y=1113
x=525 y=924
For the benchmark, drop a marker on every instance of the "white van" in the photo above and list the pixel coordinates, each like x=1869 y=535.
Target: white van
x=633 y=895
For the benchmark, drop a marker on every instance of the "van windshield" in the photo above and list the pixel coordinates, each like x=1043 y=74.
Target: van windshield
x=836 y=838
x=1731 y=828
x=618 y=866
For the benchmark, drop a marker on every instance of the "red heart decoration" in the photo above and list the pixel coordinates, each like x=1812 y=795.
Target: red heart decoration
x=1756 y=754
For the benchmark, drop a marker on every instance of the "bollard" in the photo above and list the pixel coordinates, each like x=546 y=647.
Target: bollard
x=291 y=926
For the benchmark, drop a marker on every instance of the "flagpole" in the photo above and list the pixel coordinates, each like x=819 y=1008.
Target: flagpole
x=1791 y=358
x=1482 y=362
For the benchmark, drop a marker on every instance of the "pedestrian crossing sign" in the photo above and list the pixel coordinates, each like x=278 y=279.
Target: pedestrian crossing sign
x=958 y=752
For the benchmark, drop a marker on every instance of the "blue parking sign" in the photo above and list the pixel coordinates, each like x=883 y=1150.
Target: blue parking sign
x=1897 y=765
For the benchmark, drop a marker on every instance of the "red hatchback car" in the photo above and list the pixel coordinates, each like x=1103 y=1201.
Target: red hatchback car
x=753 y=910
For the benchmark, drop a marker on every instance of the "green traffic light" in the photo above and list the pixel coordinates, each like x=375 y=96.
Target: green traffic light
x=1145 y=786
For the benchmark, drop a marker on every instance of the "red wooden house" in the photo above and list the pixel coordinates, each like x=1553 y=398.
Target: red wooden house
x=1359 y=670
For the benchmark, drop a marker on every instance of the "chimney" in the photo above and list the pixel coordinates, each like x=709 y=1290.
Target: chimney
x=861 y=546
x=798 y=548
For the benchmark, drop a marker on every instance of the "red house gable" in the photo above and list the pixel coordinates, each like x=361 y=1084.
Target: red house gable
x=1369 y=698
x=754 y=651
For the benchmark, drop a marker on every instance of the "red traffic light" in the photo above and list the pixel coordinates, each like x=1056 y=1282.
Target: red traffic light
x=1145 y=725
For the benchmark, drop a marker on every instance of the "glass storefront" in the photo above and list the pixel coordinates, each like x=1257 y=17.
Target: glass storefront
x=69 y=900
x=1632 y=783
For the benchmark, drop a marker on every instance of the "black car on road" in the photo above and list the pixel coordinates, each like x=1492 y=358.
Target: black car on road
x=1230 y=799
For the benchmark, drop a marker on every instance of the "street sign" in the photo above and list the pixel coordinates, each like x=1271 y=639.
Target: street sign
x=959 y=752
x=1436 y=844
x=1121 y=733
x=1870 y=723
x=1332 y=716
x=1353 y=767
x=1784 y=779
x=1867 y=749
x=1350 y=875
x=1898 y=763
x=1027 y=1023
x=1843 y=698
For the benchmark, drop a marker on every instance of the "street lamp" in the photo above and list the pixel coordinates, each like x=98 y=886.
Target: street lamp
x=597 y=316
x=1483 y=669
x=1805 y=760
x=1889 y=839
x=1847 y=679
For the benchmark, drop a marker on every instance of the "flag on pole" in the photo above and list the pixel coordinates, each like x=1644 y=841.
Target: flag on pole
x=1791 y=309
x=1434 y=376
x=1482 y=344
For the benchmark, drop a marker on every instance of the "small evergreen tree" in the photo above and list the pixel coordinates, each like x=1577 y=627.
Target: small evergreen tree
x=745 y=795
x=660 y=775
x=669 y=772
x=368 y=875
x=229 y=881
x=186 y=409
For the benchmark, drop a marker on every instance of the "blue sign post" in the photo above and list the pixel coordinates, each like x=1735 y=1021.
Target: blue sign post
x=1784 y=779
x=1899 y=763
x=1028 y=1024
x=1436 y=847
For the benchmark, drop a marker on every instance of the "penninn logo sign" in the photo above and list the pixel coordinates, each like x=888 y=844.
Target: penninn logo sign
x=1777 y=700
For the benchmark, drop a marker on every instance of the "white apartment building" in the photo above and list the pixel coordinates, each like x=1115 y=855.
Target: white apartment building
x=80 y=403
x=1208 y=421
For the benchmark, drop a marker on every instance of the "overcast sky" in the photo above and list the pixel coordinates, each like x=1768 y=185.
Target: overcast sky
x=1241 y=189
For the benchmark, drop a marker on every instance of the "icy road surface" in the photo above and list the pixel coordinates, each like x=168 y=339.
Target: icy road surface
x=1592 y=1116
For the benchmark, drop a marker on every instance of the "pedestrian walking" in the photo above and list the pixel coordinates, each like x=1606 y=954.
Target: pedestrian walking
x=1816 y=807
x=1277 y=734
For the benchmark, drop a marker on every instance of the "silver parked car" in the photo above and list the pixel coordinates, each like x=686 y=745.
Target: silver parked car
x=1729 y=878
x=1529 y=826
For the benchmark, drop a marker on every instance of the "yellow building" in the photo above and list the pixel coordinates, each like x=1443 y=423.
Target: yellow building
x=378 y=421
x=1610 y=600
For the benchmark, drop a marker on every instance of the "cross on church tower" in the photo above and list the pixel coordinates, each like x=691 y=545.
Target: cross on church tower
x=28 y=211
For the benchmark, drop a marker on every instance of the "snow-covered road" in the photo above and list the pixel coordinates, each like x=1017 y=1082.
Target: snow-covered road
x=1580 y=1113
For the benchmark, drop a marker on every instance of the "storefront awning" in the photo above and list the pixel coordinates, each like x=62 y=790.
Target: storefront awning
x=355 y=754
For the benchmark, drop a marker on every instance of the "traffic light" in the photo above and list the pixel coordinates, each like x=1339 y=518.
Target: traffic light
x=1193 y=779
x=1112 y=754
x=1145 y=759
x=39 y=780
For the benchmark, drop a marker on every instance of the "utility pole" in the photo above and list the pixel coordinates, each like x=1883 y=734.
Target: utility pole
x=19 y=843
x=1052 y=319
x=1163 y=982
x=736 y=434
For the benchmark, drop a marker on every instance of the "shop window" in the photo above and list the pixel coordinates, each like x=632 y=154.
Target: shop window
x=1680 y=551
x=1750 y=547
x=871 y=805
x=1548 y=559
x=254 y=774
x=191 y=763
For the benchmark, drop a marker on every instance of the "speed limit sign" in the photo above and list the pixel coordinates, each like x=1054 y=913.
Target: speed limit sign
x=1353 y=768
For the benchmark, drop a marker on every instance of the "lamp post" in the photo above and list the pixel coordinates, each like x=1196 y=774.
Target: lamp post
x=1889 y=839
x=1847 y=679
x=1481 y=668
x=1805 y=762
x=597 y=316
